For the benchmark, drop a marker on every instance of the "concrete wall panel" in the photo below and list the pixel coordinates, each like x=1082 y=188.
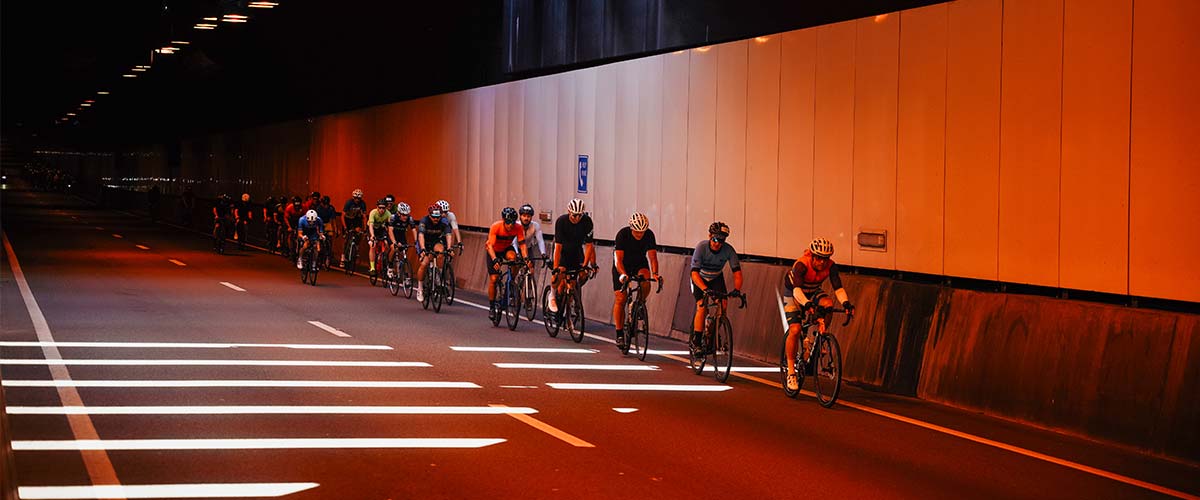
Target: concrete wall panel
x=624 y=197
x=833 y=175
x=674 y=180
x=730 y=171
x=603 y=168
x=797 y=133
x=701 y=144
x=876 y=80
x=649 y=136
x=762 y=146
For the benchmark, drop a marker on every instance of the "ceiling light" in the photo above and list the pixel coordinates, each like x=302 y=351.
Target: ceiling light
x=102 y=92
x=238 y=16
x=70 y=114
x=210 y=19
x=127 y=75
x=180 y=42
x=86 y=105
x=761 y=39
x=204 y=26
x=234 y=20
x=263 y=5
x=89 y=101
x=139 y=69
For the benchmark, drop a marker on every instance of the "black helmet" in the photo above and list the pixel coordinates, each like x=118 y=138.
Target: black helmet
x=526 y=209
x=718 y=228
x=295 y=199
x=270 y=200
x=390 y=198
x=315 y=194
x=509 y=214
x=382 y=201
x=325 y=199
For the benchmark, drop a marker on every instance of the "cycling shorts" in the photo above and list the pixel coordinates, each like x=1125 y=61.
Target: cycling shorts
x=616 y=277
x=716 y=284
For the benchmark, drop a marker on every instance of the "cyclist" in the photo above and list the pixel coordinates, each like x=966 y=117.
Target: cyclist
x=398 y=228
x=293 y=212
x=223 y=213
x=311 y=230
x=451 y=218
x=268 y=217
x=312 y=201
x=574 y=247
x=243 y=212
x=635 y=251
x=352 y=217
x=329 y=217
x=391 y=204
x=504 y=238
x=804 y=280
x=533 y=231
x=433 y=234
x=378 y=237
x=708 y=262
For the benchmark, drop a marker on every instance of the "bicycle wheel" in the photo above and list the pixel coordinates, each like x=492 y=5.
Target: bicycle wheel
x=529 y=296
x=427 y=286
x=316 y=268
x=828 y=371
x=374 y=276
x=406 y=278
x=351 y=256
x=437 y=292
x=303 y=272
x=548 y=318
x=641 y=332
x=512 y=300
x=783 y=369
x=393 y=282
x=722 y=355
x=576 y=318
x=697 y=357
x=451 y=284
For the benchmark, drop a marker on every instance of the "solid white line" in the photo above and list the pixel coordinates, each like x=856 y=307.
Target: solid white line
x=549 y=429
x=641 y=387
x=221 y=490
x=525 y=349
x=625 y=410
x=143 y=247
x=565 y=366
x=233 y=286
x=173 y=261
x=267 y=410
x=518 y=387
x=373 y=384
x=117 y=236
x=328 y=328
x=252 y=444
x=196 y=345
x=208 y=362
x=99 y=467
x=747 y=369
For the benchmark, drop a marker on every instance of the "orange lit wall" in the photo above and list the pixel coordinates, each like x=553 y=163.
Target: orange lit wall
x=1047 y=142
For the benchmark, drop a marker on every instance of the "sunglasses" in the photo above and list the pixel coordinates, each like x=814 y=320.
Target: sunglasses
x=718 y=239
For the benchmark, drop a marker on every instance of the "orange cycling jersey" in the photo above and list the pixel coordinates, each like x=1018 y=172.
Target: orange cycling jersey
x=500 y=239
x=803 y=276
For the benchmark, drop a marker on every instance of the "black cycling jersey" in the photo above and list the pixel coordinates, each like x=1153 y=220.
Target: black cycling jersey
x=400 y=225
x=635 y=249
x=355 y=209
x=572 y=237
x=434 y=231
x=326 y=213
x=224 y=209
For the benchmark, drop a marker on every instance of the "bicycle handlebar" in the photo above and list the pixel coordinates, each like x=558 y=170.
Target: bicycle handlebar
x=823 y=310
x=721 y=296
x=640 y=279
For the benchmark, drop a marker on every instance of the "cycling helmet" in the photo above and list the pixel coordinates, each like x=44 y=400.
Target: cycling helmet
x=509 y=214
x=445 y=205
x=357 y=193
x=270 y=200
x=223 y=197
x=821 y=247
x=315 y=194
x=382 y=201
x=638 y=222
x=718 y=228
x=435 y=211
x=311 y=215
x=575 y=206
x=402 y=208
x=526 y=209
x=325 y=200
x=295 y=199
x=245 y=197
x=390 y=198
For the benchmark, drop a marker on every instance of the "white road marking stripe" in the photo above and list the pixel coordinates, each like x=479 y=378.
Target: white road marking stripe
x=373 y=384
x=233 y=286
x=641 y=387
x=173 y=261
x=550 y=429
x=143 y=247
x=525 y=349
x=195 y=345
x=99 y=467
x=208 y=362
x=218 y=490
x=518 y=387
x=328 y=328
x=566 y=366
x=253 y=444
x=268 y=410
x=117 y=236
x=747 y=369
x=625 y=410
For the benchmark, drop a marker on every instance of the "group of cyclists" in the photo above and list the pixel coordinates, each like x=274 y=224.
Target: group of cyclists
x=517 y=239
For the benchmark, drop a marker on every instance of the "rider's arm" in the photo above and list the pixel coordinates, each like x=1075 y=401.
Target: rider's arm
x=557 y=253
x=737 y=280
x=736 y=266
x=519 y=242
x=796 y=277
x=652 y=256
x=420 y=235
x=451 y=237
x=450 y=216
x=541 y=241
x=589 y=254
x=491 y=240
x=618 y=261
x=835 y=279
x=696 y=279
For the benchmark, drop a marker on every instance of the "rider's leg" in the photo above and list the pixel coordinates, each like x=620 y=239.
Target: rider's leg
x=371 y=255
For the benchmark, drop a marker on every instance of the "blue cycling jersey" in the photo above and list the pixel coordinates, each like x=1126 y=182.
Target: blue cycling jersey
x=311 y=228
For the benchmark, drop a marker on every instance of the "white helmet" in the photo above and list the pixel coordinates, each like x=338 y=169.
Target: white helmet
x=357 y=193
x=575 y=206
x=821 y=247
x=638 y=222
x=311 y=215
x=403 y=208
x=444 y=204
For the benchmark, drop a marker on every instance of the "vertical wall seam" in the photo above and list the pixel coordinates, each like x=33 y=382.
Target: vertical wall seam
x=687 y=150
x=853 y=139
x=896 y=147
x=812 y=181
x=1129 y=165
x=779 y=145
x=945 y=128
x=999 y=139
x=1062 y=78
x=746 y=144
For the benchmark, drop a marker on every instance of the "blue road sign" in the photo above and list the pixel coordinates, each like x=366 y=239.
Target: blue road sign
x=582 y=185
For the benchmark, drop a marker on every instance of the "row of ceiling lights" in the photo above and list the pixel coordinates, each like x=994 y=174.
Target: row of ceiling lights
x=169 y=49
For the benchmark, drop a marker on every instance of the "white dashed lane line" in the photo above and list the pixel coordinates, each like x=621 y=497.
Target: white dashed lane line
x=173 y=261
x=143 y=247
x=328 y=328
x=233 y=286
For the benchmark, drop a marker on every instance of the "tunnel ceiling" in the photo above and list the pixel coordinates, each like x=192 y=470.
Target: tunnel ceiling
x=304 y=58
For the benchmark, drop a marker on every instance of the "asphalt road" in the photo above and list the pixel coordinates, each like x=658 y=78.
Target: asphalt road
x=261 y=396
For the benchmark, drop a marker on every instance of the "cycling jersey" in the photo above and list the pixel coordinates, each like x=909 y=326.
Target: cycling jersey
x=710 y=263
x=452 y=219
x=809 y=280
x=634 y=257
x=400 y=225
x=501 y=239
x=435 y=231
x=270 y=211
x=224 y=209
x=354 y=208
x=572 y=237
x=326 y=213
x=310 y=229
x=291 y=213
x=379 y=218
x=243 y=209
x=533 y=233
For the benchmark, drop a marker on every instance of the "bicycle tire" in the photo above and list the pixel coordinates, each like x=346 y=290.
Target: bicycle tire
x=529 y=297
x=393 y=283
x=722 y=355
x=427 y=285
x=512 y=301
x=436 y=291
x=451 y=284
x=576 y=318
x=406 y=280
x=698 y=357
x=312 y=275
x=548 y=317
x=625 y=342
x=783 y=369
x=827 y=374
x=641 y=331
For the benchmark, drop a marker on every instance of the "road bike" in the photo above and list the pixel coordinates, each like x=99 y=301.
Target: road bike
x=400 y=272
x=219 y=233
x=716 y=340
x=508 y=294
x=350 y=250
x=635 y=336
x=570 y=307
x=434 y=286
x=380 y=247
x=448 y=272
x=271 y=232
x=527 y=282
x=824 y=357
x=310 y=265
